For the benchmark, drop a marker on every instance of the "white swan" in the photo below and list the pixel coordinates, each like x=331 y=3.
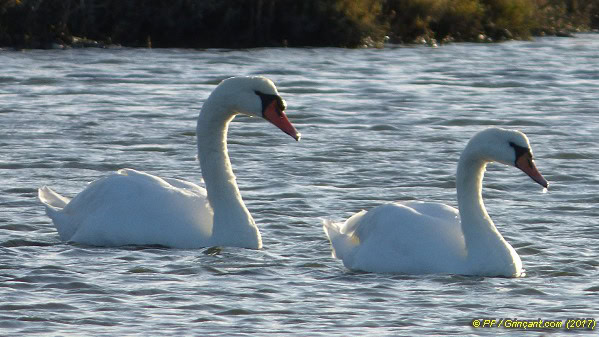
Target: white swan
x=135 y=208
x=422 y=238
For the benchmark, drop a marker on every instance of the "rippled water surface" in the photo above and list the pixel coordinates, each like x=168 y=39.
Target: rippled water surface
x=377 y=126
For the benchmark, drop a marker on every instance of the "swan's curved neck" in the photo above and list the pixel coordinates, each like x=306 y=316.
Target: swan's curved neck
x=483 y=241
x=474 y=217
x=232 y=219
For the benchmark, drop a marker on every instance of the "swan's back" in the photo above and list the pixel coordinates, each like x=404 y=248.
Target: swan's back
x=411 y=237
x=131 y=207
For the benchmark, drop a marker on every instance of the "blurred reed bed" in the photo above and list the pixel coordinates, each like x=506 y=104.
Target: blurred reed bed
x=273 y=23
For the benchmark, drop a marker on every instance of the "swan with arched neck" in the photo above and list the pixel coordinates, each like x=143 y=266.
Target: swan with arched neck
x=424 y=237
x=131 y=207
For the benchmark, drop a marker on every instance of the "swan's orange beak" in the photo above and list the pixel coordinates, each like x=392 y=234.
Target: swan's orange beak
x=277 y=117
x=527 y=165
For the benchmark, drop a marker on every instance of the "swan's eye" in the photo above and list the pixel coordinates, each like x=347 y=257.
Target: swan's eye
x=281 y=103
x=521 y=150
x=267 y=100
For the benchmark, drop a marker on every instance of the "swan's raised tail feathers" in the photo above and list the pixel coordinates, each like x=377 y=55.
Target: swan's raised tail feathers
x=51 y=198
x=54 y=203
x=341 y=243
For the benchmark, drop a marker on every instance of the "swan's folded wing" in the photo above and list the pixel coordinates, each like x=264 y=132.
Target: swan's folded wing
x=399 y=238
x=434 y=209
x=186 y=185
x=133 y=207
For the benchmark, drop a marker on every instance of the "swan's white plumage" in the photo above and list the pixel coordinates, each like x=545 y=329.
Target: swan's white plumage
x=130 y=207
x=421 y=237
x=134 y=208
x=429 y=238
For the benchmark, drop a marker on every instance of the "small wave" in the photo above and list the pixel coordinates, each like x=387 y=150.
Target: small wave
x=466 y=122
x=312 y=265
x=32 y=319
x=529 y=251
x=149 y=149
x=69 y=286
x=141 y=270
x=38 y=306
x=236 y=312
x=383 y=127
x=594 y=289
x=24 y=243
x=499 y=85
x=40 y=81
x=525 y=122
x=31 y=165
x=109 y=61
x=527 y=292
x=185 y=271
x=279 y=71
x=562 y=273
x=8 y=79
x=570 y=155
x=17 y=228
x=21 y=190
x=147 y=292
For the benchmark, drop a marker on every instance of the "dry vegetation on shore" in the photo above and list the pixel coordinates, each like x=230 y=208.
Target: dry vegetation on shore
x=258 y=23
